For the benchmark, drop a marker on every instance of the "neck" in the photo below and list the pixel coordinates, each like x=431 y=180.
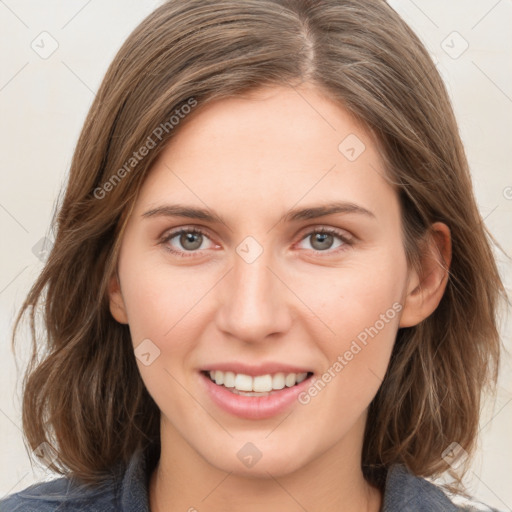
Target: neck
x=184 y=481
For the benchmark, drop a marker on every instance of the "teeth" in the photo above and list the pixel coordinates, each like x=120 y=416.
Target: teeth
x=243 y=382
x=290 y=380
x=278 y=381
x=262 y=383
x=229 y=379
x=258 y=384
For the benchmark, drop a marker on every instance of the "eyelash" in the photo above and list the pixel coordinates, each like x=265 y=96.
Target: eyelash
x=196 y=231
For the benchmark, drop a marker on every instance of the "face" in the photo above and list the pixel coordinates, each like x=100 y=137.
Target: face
x=268 y=284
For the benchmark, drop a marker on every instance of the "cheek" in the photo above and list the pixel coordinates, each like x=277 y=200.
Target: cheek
x=162 y=308
x=353 y=373
x=352 y=298
x=361 y=309
x=159 y=300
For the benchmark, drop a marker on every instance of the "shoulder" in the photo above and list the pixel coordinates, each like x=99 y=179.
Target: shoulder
x=405 y=491
x=472 y=505
x=124 y=489
x=63 y=495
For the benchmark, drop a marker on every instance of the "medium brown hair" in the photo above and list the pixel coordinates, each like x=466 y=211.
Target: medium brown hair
x=83 y=394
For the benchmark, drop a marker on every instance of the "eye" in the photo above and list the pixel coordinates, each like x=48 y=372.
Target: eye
x=191 y=241
x=323 y=239
x=185 y=240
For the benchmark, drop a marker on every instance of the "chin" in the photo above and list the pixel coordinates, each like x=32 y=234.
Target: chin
x=250 y=461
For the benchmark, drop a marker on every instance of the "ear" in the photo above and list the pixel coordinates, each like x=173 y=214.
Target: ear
x=426 y=288
x=117 y=306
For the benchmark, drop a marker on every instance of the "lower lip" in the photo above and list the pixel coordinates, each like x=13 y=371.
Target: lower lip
x=253 y=407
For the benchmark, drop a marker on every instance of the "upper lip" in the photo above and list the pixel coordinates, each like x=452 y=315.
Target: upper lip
x=255 y=370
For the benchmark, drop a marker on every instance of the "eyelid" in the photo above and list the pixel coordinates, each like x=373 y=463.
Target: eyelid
x=322 y=228
x=173 y=232
x=346 y=237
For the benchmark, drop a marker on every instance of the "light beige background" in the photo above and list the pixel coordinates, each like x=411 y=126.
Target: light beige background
x=44 y=101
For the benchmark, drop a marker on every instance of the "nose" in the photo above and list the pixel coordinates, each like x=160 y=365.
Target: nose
x=253 y=301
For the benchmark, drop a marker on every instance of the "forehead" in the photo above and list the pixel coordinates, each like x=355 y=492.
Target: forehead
x=267 y=150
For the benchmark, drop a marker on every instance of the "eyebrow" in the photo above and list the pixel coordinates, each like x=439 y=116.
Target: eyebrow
x=296 y=214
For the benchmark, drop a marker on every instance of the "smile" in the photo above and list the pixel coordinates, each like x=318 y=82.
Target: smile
x=254 y=397
x=260 y=385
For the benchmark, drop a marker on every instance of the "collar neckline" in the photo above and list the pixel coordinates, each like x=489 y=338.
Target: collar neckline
x=402 y=491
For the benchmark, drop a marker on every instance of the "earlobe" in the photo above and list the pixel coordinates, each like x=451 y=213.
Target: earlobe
x=426 y=287
x=117 y=306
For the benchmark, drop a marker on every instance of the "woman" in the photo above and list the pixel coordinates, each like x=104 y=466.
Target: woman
x=271 y=288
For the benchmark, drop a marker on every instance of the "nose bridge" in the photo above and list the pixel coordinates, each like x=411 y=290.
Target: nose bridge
x=253 y=303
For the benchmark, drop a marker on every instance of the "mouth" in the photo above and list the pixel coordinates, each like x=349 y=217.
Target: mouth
x=258 y=385
x=255 y=392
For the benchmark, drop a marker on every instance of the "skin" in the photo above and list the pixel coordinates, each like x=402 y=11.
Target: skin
x=250 y=159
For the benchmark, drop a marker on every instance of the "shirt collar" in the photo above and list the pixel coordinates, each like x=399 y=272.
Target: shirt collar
x=403 y=491
x=134 y=489
x=407 y=492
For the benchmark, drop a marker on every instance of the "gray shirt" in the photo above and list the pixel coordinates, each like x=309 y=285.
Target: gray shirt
x=128 y=492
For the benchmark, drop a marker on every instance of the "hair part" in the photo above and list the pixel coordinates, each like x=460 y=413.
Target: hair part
x=85 y=396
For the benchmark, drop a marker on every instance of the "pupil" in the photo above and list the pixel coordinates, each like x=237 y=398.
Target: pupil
x=321 y=237
x=189 y=238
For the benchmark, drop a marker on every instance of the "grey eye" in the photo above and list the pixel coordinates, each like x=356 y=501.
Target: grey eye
x=321 y=241
x=191 y=241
